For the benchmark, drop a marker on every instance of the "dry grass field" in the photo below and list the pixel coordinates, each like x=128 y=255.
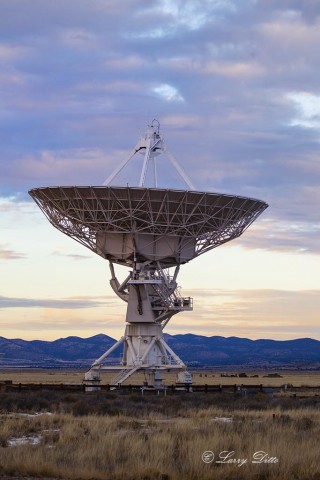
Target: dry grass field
x=296 y=378
x=129 y=437
x=126 y=436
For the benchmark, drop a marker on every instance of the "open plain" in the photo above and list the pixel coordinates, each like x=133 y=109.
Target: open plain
x=123 y=435
x=267 y=378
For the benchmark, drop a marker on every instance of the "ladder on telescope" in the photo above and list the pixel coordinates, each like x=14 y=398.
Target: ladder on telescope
x=124 y=374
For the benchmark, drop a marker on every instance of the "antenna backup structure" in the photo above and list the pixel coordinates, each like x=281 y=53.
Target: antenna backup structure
x=149 y=230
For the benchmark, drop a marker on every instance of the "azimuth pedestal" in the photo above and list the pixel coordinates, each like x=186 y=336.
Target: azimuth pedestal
x=153 y=299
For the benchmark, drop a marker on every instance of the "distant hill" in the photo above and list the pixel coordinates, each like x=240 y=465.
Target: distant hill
x=243 y=351
x=195 y=350
x=70 y=350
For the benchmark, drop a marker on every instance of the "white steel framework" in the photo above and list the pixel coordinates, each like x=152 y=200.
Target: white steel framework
x=198 y=220
x=151 y=145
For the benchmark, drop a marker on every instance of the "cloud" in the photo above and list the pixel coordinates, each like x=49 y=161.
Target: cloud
x=272 y=234
x=9 y=52
x=8 y=254
x=69 y=303
x=236 y=70
x=267 y=313
x=53 y=325
x=77 y=257
x=78 y=39
x=168 y=92
x=70 y=255
x=308 y=109
x=58 y=167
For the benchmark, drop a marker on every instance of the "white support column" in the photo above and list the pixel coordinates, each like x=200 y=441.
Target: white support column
x=176 y=271
x=176 y=165
x=145 y=166
x=164 y=353
x=148 y=154
x=174 y=355
x=116 y=287
x=107 y=353
x=119 y=168
x=133 y=353
x=144 y=356
x=155 y=179
x=139 y=346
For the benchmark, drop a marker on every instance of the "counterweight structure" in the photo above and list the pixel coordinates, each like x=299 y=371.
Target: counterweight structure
x=152 y=231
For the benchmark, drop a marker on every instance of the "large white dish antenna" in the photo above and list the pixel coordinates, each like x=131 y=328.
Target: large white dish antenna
x=127 y=224
x=149 y=230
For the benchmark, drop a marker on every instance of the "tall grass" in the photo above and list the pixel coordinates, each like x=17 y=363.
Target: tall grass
x=163 y=439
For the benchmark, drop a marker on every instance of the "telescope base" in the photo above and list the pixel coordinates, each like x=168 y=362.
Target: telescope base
x=145 y=350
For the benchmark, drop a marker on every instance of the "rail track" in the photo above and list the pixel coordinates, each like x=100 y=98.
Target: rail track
x=8 y=386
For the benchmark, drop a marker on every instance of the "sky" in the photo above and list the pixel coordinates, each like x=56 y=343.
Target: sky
x=235 y=87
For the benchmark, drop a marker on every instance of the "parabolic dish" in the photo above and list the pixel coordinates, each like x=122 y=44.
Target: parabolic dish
x=127 y=224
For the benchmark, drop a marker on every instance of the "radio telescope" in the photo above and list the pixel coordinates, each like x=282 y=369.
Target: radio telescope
x=151 y=231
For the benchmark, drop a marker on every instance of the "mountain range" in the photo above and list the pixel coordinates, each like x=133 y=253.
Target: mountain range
x=194 y=350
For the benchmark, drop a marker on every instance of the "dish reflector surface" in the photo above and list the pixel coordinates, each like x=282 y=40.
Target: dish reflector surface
x=127 y=224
